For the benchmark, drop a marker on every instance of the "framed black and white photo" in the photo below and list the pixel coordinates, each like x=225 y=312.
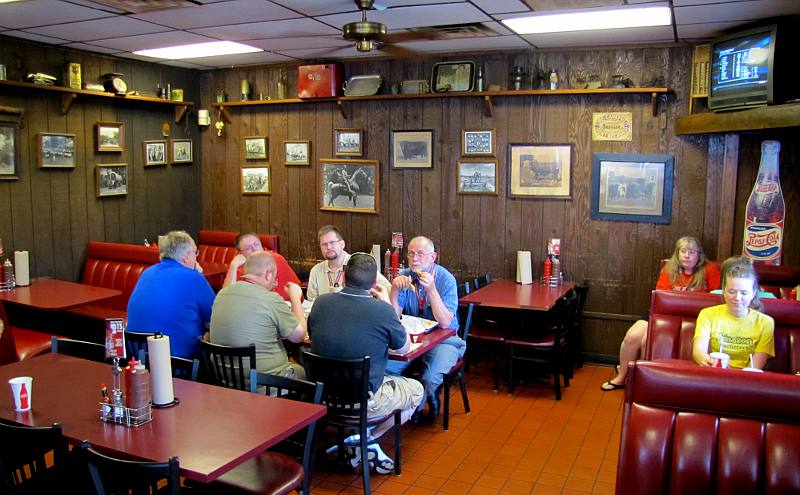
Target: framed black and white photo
x=477 y=176
x=181 y=150
x=477 y=142
x=255 y=148
x=56 y=150
x=452 y=76
x=297 y=152
x=348 y=142
x=256 y=180
x=349 y=185
x=9 y=152
x=154 y=152
x=540 y=170
x=110 y=136
x=631 y=187
x=112 y=179
x=412 y=149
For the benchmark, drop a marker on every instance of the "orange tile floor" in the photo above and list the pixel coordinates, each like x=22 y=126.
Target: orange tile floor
x=525 y=443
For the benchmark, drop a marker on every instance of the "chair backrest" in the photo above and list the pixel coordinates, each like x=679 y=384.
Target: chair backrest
x=116 y=266
x=217 y=246
x=482 y=281
x=112 y=475
x=23 y=453
x=464 y=312
x=346 y=383
x=226 y=364
x=582 y=290
x=8 y=347
x=136 y=344
x=79 y=348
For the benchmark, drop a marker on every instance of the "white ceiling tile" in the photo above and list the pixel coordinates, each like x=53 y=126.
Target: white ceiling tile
x=602 y=37
x=468 y=44
x=240 y=59
x=99 y=6
x=216 y=14
x=91 y=48
x=99 y=29
x=408 y=17
x=262 y=30
x=683 y=3
x=35 y=37
x=330 y=53
x=317 y=7
x=501 y=6
x=42 y=12
x=706 y=30
x=300 y=43
x=736 y=11
x=155 y=40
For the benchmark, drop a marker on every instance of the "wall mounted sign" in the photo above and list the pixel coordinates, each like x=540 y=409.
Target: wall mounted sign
x=612 y=126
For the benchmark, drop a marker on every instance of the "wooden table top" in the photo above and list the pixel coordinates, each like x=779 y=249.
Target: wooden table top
x=212 y=430
x=429 y=341
x=511 y=295
x=51 y=294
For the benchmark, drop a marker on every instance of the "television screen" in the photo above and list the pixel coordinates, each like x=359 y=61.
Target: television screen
x=741 y=63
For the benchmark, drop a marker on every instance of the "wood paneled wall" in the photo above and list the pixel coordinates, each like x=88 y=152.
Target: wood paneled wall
x=53 y=213
x=477 y=234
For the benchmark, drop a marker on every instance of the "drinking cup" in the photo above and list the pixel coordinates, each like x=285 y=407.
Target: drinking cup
x=720 y=359
x=21 y=390
x=754 y=370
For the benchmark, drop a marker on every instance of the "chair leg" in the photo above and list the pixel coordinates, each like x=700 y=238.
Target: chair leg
x=510 y=369
x=365 y=462
x=496 y=367
x=557 y=380
x=446 y=408
x=463 y=381
x=397 y=444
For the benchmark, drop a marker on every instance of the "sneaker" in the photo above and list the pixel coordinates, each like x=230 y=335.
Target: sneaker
x=379 y=461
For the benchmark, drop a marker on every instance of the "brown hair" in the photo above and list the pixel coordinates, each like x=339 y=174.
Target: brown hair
x=742 y=267
x=674 y=270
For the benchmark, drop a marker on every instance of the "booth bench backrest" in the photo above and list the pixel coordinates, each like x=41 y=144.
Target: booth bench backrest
x=672 y=320
x=781 y=276
x=116 y=266
x=217 y=246
x=692 y=430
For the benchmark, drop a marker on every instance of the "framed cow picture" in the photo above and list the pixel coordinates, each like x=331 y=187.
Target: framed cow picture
x=412 y=149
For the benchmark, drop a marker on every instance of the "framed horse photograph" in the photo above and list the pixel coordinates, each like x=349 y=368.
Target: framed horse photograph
x=349 y=185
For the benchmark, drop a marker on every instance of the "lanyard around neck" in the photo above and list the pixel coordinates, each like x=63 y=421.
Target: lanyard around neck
x=334 y=283
x=422 y=294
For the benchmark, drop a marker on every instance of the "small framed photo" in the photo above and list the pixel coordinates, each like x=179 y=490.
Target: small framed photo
x=255 y=148
x=256 y=180
x=477 y=177
x=181 y=150
x=631 y=187
x=540 y=171
x=154 y=152
x=452 y=76
x=297 y=152
x=477 y=142
x=349 y=142
x=112 y=180
x=349 y=185
x=110 y=136
x=9 y=150
x=56 y=150
x=412 y=149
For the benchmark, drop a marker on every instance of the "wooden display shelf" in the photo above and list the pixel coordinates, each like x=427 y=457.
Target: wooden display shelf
x=69 y=95
x=486 y=95
x=742 y=120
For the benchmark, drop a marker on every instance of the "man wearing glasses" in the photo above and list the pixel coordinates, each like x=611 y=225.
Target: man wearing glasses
x=429 y=291
x=173 y=297
x=328 y=276
x=248 y=243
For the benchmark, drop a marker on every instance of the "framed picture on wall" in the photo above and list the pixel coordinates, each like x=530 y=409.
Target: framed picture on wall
x=412 y=149
x=9 y=150
x=631 y=187
x=154 y=152
x=348 y=142
x=255 y=148
x=56 y=150
x=256 y=180
x=477 y=176
x=349 y=185
x=540 y=171
x=181 y=150
x=477 y=142
x=112 y=179
x=110 y=136
x=297 y=152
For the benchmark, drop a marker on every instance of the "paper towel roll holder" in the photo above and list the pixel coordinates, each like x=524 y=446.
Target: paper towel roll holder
x=174 y=402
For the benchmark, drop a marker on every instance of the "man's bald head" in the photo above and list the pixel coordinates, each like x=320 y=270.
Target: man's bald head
x=260 y=264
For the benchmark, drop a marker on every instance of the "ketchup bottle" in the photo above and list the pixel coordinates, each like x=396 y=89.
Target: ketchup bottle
x=395 y=262
x=547 y=270
x=763 y=223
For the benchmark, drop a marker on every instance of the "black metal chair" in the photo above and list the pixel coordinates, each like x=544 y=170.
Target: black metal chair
x=486 y=327
x=345 y=393
x=546 y=345
x=482 y=281
x=225 y=365
x=575 y=334
x=80 y=349
x=277 y=471
x=136 y=344
x=23 y=453
x=112 y=475
x=456 y=372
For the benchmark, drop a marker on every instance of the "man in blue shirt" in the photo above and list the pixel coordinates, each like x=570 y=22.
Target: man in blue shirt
x=173 y=297
x=429 y=291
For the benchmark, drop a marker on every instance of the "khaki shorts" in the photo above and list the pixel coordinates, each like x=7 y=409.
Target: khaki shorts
x=396 y=392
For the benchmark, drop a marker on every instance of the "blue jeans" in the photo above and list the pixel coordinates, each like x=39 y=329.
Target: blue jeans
x=435 y=363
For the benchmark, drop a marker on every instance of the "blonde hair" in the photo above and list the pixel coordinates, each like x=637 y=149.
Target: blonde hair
x=742 y=267
x=674 y=270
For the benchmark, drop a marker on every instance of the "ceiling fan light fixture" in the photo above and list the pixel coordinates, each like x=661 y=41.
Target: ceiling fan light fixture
x=590 y=20
x=364 y=45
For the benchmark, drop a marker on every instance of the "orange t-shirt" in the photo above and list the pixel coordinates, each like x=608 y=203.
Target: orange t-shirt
x=712 y=280
x=285 y=274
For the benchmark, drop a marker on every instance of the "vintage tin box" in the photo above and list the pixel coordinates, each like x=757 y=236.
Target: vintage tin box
x=319 y=81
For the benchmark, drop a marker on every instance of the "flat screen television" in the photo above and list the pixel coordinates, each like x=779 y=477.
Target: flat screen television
x=753 y=68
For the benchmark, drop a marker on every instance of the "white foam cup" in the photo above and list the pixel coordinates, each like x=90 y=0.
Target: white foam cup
x=720 y=359
x=21 y=390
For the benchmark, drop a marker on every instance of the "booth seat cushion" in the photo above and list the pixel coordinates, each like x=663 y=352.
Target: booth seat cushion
x=672 y=320
x=783 y=276
x=17 y=343
x=217 y=246
x=690 y=430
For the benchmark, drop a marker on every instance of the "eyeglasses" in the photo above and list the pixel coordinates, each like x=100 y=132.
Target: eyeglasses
x=418 y=254
x=329 y=243
x=252 y=246
x=690 y=252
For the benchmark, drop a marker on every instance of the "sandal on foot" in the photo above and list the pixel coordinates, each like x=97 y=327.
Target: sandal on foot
x=609 y=386
x=616 y=369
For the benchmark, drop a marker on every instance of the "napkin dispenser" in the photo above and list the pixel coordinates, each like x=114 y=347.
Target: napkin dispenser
x=366 y=85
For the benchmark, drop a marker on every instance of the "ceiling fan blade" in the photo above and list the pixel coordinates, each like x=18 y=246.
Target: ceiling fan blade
x=397 y=51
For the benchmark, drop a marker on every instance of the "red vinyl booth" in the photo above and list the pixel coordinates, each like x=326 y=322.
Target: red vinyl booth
x=217 y=246
x=693 y=430
x=673 y=315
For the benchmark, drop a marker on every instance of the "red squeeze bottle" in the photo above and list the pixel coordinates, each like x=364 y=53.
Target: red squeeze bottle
x=395 y=262
x=548 y=270
x=129 y=380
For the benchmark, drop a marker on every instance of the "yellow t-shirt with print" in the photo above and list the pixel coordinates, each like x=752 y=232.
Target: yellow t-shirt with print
x=737 y=337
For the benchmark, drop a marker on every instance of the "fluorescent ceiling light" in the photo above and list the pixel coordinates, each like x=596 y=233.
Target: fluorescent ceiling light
x=198 y=50
x=9 y=1
x=591 y=20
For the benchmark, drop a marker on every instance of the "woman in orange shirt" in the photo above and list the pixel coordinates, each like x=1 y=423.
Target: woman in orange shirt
x=687 y=269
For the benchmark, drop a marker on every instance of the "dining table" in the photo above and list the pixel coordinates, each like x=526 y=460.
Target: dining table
x=507 y=294
x=211 y=430
x=51 y=294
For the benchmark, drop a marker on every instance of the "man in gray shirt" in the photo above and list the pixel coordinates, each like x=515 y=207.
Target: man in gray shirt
x=249 y=312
